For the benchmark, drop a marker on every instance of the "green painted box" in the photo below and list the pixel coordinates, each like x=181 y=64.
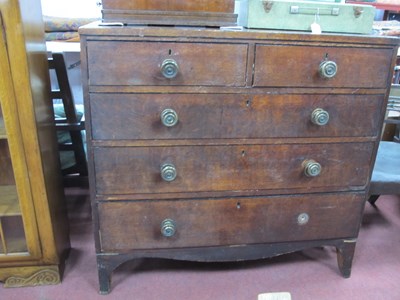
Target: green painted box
x=299 y=15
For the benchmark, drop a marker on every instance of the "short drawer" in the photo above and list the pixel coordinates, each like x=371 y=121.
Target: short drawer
x=141 y=63
x=235 y=221
x=129 y=170
x=199 y=116
x=299 y=66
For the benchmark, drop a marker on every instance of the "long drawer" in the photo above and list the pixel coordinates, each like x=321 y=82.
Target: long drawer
x=299 y=66
x=140 y=63
x=128 y=170
x=208 y=222
x=197 y=116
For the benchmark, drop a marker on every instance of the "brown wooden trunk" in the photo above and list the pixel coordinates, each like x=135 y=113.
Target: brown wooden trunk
x=172 y=12
x=219 y=6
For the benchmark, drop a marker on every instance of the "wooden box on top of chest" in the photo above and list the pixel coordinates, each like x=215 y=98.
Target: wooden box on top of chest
x=174 y=12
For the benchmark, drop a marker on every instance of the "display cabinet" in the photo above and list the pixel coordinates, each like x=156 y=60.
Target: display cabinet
x=34 y=239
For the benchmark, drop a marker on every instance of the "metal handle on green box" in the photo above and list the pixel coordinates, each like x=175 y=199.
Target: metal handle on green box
x=295 y=9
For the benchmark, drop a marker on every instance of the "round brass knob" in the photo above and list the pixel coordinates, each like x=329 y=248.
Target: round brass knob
x=327 y=69
x=303 y=218
x=168 y=227
x=169 y=117
x=320 y=117
x=312 y=168
x=169 y=68
x=168 y=172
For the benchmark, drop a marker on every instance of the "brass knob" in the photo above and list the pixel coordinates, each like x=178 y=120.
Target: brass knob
x=168 y=172
x=169 y=68
x=327 y=69
x=303 y=218
x=320 y=117
x=169 y=117
x=168 y=227
x=312 y=168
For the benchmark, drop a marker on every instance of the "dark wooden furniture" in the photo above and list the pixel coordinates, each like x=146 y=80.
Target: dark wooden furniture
x=70 y=126
x=33 y=217
x=214 y=145
x=171 y=12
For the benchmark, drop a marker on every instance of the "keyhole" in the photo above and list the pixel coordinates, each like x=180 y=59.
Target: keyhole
x=238 y=205
x=243 y=153
x=169 y=52
x=326 y=56
x=248 y=103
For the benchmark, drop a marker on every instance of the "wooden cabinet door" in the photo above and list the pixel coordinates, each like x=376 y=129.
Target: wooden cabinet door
x=18 y=230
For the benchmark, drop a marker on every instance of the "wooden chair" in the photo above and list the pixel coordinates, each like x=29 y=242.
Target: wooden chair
x=70 y=125
x=386 y=174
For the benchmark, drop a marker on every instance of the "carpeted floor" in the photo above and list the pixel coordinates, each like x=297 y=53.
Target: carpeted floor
x=306 y=275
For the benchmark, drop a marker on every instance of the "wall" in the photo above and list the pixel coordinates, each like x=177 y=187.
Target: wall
x=71 y=8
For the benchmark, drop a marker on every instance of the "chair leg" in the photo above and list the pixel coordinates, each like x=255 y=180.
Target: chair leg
x=79 y=152
x=372 y=199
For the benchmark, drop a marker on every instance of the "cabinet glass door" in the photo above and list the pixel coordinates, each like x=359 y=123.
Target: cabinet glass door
x=12 y=232
x=18 y=233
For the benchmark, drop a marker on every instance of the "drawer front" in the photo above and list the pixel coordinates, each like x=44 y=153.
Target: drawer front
x=298 y=66
x=128 y=170
x=138 y=116
x=140 y=63
x=207 y=222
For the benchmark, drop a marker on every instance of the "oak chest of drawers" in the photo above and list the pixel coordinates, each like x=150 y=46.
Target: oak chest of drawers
x=214 y=145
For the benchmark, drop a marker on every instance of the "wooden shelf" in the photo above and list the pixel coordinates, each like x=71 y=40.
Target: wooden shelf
x=3 y=134
x=9 y=204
